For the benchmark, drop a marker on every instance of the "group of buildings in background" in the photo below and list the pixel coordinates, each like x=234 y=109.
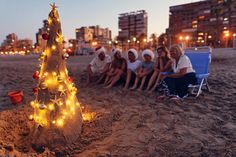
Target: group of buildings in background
x=203 y=23
x=209 y=22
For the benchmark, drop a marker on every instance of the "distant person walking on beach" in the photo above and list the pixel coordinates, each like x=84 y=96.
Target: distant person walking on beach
x=146 y=69
x=99 y=65
x=163 y=63
x=133 y=65
x=117 y=69
x=183 y=75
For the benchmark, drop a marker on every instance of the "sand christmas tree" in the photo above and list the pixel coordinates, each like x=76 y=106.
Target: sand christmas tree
x=57 y=113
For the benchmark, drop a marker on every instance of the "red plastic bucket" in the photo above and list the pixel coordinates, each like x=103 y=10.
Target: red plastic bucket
x=15 y=96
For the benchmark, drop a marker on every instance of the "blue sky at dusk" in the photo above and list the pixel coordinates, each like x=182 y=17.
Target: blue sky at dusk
x=24 y=17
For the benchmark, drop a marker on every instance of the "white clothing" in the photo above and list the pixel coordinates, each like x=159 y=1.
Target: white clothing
x=184 y=62
x=134 y=65
x=97 y=65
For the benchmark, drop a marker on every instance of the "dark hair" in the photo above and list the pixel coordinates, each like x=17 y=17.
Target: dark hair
x=165 y=50
x=97 y=48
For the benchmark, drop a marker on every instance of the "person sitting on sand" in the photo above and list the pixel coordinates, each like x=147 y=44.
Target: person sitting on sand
x=183 y=75
x=133 y=65
x=145 y=70
x=163 y=63
x=116 y=70
x=99 y=65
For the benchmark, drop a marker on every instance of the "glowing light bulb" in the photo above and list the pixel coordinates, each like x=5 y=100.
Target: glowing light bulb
x=60 y=122
x=77 y=104
x=31 y=117
x=68 y=102
x=72 y=109
x=53 y=122
x=32 y=104
x=51 y=107
x=60 y=87
x=54 y=73
x=60 y=103
x=64 y=112
x=53 y=47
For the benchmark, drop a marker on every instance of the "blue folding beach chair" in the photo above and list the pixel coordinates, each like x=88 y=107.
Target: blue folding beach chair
x=200 y=58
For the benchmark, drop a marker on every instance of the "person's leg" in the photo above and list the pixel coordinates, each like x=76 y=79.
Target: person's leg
x=89 y=74
x=183 y=83
x=101 y=78
x=171 y=85
x=142 y=83
x=135 y=83
x=158 y=80
x=115 y=78
x=128 y=78
x=152 y=80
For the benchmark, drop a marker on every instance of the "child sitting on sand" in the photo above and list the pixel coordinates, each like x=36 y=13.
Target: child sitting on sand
x=133 y=65
x=116 y=70
x=146 y=69
x=163 y=64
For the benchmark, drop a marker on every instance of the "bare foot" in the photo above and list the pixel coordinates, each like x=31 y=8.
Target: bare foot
x=133 y=88
x=125 y=88
x=107 y=87
x=160 y=98
x=140 y=89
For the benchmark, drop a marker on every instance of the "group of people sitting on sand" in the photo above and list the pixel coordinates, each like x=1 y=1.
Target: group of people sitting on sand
x=170 y=72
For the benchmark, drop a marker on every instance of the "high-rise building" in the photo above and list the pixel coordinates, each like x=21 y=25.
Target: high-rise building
x=84 y=34
x=10 y=40
x=94 y=35
x=40 y=42
x=208 y=22
x=133 y=25
x=13 y=44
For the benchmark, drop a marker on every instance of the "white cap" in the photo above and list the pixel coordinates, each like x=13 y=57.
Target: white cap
x=100 y=49
x=116 y=50
x=148 y=52
x=134 y=52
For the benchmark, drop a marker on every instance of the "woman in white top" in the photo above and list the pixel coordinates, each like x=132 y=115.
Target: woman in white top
x=133 y=65
x=183 y=75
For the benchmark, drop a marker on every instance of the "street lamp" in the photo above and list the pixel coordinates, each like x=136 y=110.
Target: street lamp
x=180 y=38
x=128 y=43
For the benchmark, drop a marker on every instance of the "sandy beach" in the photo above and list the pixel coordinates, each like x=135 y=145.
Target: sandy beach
x=127 y=123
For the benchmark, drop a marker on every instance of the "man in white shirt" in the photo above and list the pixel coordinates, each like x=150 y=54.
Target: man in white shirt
x=99 y=65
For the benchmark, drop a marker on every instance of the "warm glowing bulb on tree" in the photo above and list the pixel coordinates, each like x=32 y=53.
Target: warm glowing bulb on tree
x=64 y=112
x=77 y=104
x=51 y=106
x=72 y=109
x=54 y=47
x=60 y=103
x=32 y=104
x=60 y=122
x=54 y=73
x=68 y=102
x=31 y=117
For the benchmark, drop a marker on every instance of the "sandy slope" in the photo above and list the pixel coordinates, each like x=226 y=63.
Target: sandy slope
x=129 y=123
